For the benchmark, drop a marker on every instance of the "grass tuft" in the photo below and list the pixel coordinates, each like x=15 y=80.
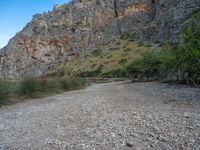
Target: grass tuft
x=4 y=90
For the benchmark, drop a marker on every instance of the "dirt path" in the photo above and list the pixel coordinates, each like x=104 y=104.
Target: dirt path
x=106 y=117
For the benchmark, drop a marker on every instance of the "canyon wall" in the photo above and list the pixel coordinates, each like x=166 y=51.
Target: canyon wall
x=72 y=29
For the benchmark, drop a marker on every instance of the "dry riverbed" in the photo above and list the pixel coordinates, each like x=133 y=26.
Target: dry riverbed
x=110 y=116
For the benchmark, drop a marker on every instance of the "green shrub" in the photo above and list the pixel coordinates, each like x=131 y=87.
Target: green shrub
x=125 y=45
x=28 y=86
x=66 y=84
x=96 y=52
x=43 y=83
x=50 y=85
x=128 y=49
x=33 y=87
x=109 y=56
x=126 y=35
x=183 y=60
x=191 y=46
x=135 y=68
x=140 y=44
x=151 y=64
x=175 y=61
x=146 y=67
x=113 y=48
x=93 y=73
x=118 y=43
x=147 y=44
x=118 y=73
x=123 y=61
x=4 y=90
x=72 y=83
x=77 y=83
x=61 y=72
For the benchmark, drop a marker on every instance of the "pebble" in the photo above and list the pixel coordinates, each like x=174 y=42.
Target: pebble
x=129 y=144
x=187 y=115
x=189 y=127
x=101 y=120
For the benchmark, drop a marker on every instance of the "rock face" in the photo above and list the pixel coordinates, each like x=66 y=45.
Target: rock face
x=71 y=29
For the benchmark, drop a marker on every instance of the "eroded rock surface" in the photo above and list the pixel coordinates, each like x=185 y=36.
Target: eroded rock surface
x=72 y=29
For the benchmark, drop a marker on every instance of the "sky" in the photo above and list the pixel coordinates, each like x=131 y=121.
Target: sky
x=15 y=14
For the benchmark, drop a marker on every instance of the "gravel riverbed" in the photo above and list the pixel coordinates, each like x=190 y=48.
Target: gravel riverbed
x=111 y=116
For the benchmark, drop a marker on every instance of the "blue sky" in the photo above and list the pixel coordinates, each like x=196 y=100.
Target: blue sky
x=15 y=14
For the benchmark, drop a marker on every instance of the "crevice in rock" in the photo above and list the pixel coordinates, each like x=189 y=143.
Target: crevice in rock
x=154 y=4
x=117 y=16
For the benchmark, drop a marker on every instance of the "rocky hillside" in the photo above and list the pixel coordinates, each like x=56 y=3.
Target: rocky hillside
x=72 y=29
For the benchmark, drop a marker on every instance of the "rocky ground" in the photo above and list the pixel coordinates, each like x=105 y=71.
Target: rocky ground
x=111 y=116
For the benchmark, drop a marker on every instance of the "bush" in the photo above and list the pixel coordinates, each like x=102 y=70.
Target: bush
x=126 y=35
x=175 y=61
x=32 y=87
x=151 y=64
x=182 y=61
x=123 y=61
x=50 y=85
x=191 y=43
x=146 y=67
x=72 y=83
x=93 y=73
x=118 y=43
x=140 y=44
x=4 y=90
x=128 y=49
x=109 y=56
x=66 y=84
x=28 y=86
x=96 y=52
x=61 y=72
x=118 y=73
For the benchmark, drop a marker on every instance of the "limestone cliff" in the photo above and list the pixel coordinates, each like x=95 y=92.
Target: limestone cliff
x=72 y=29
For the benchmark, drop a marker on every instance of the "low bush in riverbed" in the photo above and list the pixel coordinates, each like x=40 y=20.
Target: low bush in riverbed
x=72 y=84
x=4 y=90
x=29 y=87
x=32 y=86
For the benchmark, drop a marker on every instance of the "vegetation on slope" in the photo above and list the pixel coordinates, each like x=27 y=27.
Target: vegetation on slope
x=108 y=60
